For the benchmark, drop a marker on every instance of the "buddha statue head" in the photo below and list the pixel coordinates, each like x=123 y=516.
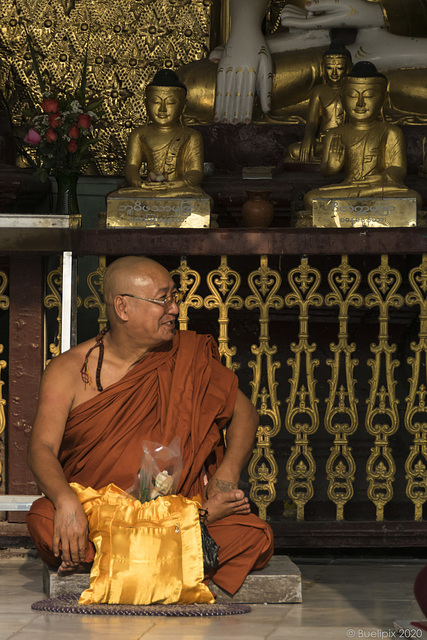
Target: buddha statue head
x=364 y=91
x=336 y=63
x=165 y=98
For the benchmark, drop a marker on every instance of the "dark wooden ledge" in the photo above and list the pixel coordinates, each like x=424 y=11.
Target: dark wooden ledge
x=238 y=241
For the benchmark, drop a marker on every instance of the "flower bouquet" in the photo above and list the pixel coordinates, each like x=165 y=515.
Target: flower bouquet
x=62 y=135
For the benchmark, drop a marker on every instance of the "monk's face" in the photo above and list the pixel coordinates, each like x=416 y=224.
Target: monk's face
x=150 y=324
x=335 y=68
x=363 y=99
x=164 y=105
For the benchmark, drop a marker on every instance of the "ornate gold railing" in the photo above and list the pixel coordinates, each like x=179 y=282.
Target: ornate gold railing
x=374 y=430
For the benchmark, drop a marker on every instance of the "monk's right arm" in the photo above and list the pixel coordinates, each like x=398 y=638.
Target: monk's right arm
x=70 y=522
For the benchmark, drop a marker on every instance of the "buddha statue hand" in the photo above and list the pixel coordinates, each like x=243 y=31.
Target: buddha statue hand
x=245 y=66
x=336 y=155
x=306 y=152
x=327 y=14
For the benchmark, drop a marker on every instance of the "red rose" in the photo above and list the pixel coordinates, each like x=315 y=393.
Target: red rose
x=73 y=132
x=84 y=121
x=49 y=105
x=51 y=135
x=55 y=120
x=72 y=146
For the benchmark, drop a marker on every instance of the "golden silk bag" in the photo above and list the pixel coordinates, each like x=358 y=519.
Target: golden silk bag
x=146 y=553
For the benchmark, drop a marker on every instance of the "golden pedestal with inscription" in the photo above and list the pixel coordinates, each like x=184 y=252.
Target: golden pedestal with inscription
x=145 y=212
x=364 y=212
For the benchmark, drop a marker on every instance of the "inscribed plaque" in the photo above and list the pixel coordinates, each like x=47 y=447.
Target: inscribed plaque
x=158 y=212
x=364 y=212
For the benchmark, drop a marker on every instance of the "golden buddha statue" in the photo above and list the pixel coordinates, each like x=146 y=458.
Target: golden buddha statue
x=173 y=152
x=372 y=152
x=325 y=109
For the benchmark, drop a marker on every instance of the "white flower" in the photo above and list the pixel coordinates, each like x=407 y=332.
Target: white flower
x=92 y=115
x=76 y=107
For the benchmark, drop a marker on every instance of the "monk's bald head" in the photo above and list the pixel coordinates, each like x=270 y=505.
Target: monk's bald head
x=130 y=275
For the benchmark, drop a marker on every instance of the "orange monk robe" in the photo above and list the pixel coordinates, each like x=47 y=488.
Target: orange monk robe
x=178 y=389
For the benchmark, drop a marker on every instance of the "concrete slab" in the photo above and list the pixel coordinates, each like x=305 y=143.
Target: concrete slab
x=278 y=582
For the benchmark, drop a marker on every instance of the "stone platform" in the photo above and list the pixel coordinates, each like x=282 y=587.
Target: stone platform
x=277 y=583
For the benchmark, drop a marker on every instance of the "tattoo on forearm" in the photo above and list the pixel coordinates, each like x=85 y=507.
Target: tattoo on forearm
x=225 y=485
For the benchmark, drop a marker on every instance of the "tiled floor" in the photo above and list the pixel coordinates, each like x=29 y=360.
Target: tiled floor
x=342 y=599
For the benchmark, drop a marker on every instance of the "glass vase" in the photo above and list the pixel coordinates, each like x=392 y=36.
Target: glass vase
x=66 y=201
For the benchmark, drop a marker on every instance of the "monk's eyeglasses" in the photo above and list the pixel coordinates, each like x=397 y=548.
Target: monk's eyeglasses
x=166 y=303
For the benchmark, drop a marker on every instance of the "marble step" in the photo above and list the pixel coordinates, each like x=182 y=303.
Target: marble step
x=278 y=582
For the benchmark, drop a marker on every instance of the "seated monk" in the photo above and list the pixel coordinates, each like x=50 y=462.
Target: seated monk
x=325 y=109
x=143 y=380
x=173 y=153
x=372 y=152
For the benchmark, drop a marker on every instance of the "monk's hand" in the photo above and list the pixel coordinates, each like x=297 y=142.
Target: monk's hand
x=70 y=532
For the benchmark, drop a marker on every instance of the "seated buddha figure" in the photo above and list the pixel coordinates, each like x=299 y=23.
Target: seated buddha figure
x=325 y=108
x=371 y=152
x=173 y=153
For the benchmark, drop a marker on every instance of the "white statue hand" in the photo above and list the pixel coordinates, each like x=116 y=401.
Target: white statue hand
x=245 y=66
x=327 y=14
x=243 y=70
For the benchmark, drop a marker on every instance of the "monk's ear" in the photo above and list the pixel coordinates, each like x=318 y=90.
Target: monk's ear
x=120 y=308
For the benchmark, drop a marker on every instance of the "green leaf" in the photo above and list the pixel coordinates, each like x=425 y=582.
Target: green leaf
x=36 y=65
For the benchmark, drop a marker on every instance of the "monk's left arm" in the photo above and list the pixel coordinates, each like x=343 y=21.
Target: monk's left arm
x=240 y=443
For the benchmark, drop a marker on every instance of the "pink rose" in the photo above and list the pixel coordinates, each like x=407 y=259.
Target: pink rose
x=72 y=146
x=74 y=132
x=50 y=135
x=84 y=121
x=49 y=105
x=33 y=137
x=55 y=120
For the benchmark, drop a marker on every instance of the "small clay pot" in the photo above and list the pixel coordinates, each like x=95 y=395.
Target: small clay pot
x=257 y=211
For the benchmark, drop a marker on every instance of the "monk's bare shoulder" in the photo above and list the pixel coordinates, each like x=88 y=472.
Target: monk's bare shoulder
x=63 y=373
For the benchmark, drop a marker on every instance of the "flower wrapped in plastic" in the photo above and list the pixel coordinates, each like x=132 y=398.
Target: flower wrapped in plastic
x=159 y=470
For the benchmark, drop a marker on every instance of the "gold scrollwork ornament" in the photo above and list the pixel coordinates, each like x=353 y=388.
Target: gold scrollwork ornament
x=341 y=418
x=416 y=406
x=224 y=283
x=302 y=415
x=382 y=418
x=263 y=469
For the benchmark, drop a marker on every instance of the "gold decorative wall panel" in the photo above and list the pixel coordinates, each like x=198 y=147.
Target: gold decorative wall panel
x=127 y=41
